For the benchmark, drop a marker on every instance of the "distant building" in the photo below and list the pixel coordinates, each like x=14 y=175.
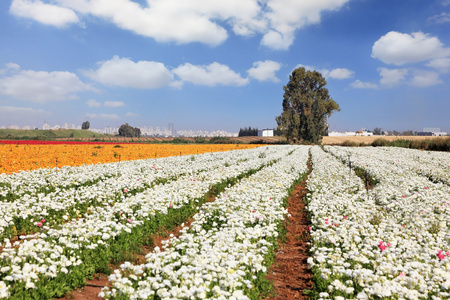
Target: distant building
x=265 y=132
x=362 y=132
x=432 y=131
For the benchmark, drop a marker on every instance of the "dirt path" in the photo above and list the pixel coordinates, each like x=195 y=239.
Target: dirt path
x=290 y=273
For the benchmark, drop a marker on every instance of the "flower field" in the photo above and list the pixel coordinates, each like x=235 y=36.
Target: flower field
x=59 y=226
x=32 y=155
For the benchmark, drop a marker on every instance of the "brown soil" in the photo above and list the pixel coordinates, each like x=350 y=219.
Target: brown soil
x=290 y=273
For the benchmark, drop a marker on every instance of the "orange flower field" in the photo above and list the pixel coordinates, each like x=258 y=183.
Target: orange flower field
x=17 y=157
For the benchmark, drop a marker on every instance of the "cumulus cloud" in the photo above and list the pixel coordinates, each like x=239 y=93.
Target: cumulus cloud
x=210 y=75
x=41 y=86
x=392 y=77
x=103 y=116
x=358 y=84
x=126 y=73
x=401 y=48
x=264 y=70
x=93 y=103
x=440 y=64
x=442 y=18
x=113 y=103
x=185 y=21
x=286 y=16
x=423 y=78
x=44 y=13
x=339 y=73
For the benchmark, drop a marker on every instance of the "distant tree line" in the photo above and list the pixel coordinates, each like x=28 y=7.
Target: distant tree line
x=248 y=131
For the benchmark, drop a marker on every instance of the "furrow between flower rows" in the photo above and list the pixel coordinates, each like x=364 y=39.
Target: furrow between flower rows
x=228 y=247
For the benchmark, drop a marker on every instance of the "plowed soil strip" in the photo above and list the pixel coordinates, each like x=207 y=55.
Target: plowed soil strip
x=290 y=273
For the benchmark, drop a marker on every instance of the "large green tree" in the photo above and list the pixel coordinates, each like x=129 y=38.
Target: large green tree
x=129 y=131
x=306 y=107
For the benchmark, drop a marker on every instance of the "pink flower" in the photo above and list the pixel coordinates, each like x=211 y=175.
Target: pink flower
x=382 y=246
x=440 y=255
x=403 y=225
x=426 y=188
x=259 y=217
x=43 y=220
x=253 y=211
x=345 y=217
x=129 y=220
x=39 y=224
x=401 y=274
x=404 y=196
x=170 y=205
x=326 y=222
x=447 y=253
x=309 y=228
x=335 y=224
x=125 y=190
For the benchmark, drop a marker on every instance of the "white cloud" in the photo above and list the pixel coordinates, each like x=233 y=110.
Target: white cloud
x=340 y=73
x=113 y=103
x=401 y=48
x=12 y=114
x=358 y=84
x=423 y=78
x=93 y=103
x=264 y=70
x=126 y=73
x=210 y=75
x=44 y=13
x=286 y=16
x=442 y=18
x=130 y=114
x=185 y=21
x=103 y=116
x=440 y=64
x=41 y=86
x=392 y=77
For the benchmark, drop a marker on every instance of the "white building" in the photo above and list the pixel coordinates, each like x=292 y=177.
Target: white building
x=435 y=131
x=265 y=132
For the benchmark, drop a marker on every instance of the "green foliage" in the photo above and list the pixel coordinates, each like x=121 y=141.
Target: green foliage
x=432 y=144
x=20 y=134
x=248 y=131
x=85 y=125
x=306 y=106
x=129 y=131
x=220 y=140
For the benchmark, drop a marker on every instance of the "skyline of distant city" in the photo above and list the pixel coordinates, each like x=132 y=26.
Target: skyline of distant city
x=145 y=130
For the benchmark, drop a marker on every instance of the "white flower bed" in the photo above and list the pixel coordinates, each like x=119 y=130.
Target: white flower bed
x=34 y=257
x=111 y=181
x=223 y=251
x=391 y=242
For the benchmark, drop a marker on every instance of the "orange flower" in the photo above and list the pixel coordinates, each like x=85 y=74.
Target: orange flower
x=16 y=157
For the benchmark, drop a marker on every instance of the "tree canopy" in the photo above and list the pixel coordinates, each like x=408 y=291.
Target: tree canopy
x=306 y=107
x=85 y=125
x=129 y=131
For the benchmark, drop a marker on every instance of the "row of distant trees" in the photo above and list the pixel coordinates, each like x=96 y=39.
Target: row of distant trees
x=379 y=131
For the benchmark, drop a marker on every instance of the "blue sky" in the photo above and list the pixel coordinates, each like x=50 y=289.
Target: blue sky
x=222 y=65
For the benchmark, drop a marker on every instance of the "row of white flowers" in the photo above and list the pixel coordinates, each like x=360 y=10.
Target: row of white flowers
x=393 y=241
x=69 y=191
x=45 y=254
x=224 y=249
